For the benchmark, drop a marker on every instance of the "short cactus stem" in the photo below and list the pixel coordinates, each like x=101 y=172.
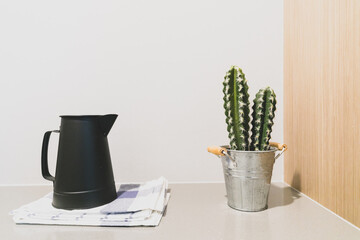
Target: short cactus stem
x=262 y=119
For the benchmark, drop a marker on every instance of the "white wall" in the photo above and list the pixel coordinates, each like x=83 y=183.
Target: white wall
x=159 y=64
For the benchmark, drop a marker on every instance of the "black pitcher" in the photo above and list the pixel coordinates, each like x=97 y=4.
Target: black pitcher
x=84 y=176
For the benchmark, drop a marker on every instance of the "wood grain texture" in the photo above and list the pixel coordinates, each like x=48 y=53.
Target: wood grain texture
x=322 y=102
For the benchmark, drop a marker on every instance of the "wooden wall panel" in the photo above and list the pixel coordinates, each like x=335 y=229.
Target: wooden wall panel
x=322 y=102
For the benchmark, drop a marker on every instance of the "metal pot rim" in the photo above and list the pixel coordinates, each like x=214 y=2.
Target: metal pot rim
x=227 y=147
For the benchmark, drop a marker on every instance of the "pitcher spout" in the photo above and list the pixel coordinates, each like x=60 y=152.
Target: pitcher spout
x=106 y=123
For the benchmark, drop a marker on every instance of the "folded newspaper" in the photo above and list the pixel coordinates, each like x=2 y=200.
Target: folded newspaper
x=136 y=205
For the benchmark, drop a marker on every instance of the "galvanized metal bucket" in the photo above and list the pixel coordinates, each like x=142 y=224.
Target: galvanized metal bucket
x=248 y=176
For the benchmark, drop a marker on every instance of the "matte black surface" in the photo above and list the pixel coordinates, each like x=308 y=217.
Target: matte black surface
x=84 y=176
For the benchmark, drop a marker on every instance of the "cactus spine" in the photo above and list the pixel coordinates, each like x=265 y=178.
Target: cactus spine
x=236 y=104
x=262 y=119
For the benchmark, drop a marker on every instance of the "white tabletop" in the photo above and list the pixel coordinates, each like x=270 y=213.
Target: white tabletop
x=195 y=211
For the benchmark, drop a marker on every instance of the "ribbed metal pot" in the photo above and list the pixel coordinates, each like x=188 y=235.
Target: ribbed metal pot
x=247 y=178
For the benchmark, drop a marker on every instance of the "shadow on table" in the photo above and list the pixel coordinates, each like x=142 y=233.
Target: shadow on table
x=281 y=196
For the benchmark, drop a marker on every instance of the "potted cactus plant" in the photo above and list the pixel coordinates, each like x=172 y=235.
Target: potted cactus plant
x=249 y=158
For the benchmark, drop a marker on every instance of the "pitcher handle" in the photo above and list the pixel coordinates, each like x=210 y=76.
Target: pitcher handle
x=44 y=156
x=220 y=151
x=280 y=147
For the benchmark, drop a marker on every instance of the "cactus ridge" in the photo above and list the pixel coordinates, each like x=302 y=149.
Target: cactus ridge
x=236 y=105
x=262 y=119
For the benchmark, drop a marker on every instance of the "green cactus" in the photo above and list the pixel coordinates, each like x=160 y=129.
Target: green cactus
x=236 y=104
x=262 y=119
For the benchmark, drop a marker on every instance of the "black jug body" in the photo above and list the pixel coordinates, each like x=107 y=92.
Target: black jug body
x=84 y=176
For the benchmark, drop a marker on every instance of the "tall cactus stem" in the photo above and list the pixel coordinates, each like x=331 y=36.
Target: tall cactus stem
x=237 y=110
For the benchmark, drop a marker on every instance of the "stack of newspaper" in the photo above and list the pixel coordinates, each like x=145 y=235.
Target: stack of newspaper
x=136 y=205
